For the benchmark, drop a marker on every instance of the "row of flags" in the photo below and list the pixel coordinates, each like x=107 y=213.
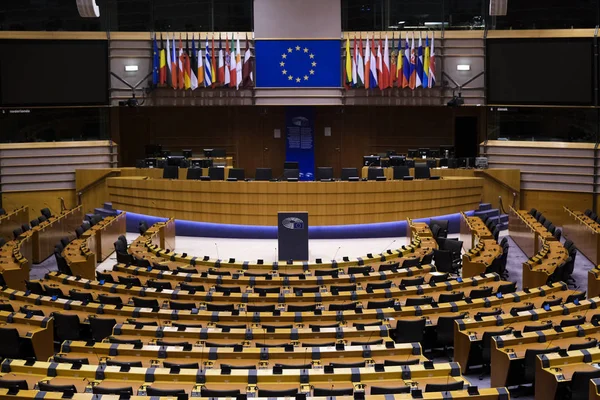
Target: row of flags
x=406 y=67
x=189 y=69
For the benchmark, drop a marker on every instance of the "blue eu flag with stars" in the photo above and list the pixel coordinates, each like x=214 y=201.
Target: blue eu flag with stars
x=298 y=63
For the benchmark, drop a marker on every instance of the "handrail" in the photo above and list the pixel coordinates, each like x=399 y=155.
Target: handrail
x=94 y=183
x=581 y=220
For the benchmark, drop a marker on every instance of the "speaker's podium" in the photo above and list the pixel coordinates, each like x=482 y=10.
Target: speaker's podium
x=292 y=236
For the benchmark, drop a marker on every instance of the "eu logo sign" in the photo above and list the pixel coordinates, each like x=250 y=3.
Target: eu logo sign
x=298 y=63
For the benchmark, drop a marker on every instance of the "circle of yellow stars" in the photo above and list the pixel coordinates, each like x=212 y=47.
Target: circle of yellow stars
x=300 y=50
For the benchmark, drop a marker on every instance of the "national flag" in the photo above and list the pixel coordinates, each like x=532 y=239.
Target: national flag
x=373 y=67
x=248 y=72
x=432 y=64
x=386 y=64
x=348 y=66
x=180 y=72
x=155 y=62
x=420 y=62
x=233 y=72
x=194 y=65
x=213 y=63
x=360 y=64
x=208 y=77
x=221 y=65
x=368 y=65
x=227 y=62
x=413 y=64
x=187 y=70
x=169 y=65
x=426 y=62
x=200 y=68
x=394 y=66
x=406 y=64
x=174 y=73
x=354 y=68
x=399 y=64
x=380 y=66
x=162 y=72
x=238 y=64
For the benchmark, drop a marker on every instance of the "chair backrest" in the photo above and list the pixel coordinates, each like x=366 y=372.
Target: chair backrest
x=25 y=227
x=427 y=258
x=400 y=171
x=2 y=211
x=171 y=172
x=450 y=297
x=46 y=212
x=42 y=218
x=102 y=327
x=480 y=293
x=17 y=232
x=443 y=260
x=409 y=330
x=588 y=344
x=348 y=173
x=114 y=300
x=580 y=384
x=439 y=278
x=34 y=222
x=418 y=301
x=486 y=343
x=9 y=343
x=412 y=282
x=216 y=173
x=66 y=327
x=507 y=288
x=78 y=231
x=194 y=173
x=445 y=329
x=558 y=234
x=237 y=173
x=324 y=173
x=148 y=303
x=530 y=360
x=263 y=174
x=291 y=173
x=422 y=171
x=374 y=173
x=536 y=328
x=588 y=212
x=411 y=262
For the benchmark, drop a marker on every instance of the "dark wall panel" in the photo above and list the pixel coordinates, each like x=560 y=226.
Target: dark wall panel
x=55 y=73
x=540 y=71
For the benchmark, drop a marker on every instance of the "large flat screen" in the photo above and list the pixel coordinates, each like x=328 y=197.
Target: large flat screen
x=53 y=72
x=540 y=71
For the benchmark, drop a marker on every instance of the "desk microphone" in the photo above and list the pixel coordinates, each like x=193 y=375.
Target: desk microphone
x=202 y=357
x=388 y=246
x=336 y=252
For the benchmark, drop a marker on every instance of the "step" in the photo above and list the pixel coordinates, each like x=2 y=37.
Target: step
x=504 y=218
x=502 y=226
x=485 y=206
x=107 y=206
x=490 y=213
x=104 y=212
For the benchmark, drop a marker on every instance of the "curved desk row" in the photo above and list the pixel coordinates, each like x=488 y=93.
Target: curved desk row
x=328 y=203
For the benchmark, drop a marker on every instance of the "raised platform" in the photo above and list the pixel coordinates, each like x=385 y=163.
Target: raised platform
x=328 y=203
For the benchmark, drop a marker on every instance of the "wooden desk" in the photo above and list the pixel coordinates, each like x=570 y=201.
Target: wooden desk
x=80 y=258
x=594 y=281
x=557 y=369
x=328 y=203
x=13 y=220
x=527 y=232
x=15 y=261
x=594 y=393
x=508 y=351
x=477 y=260
x=585 y=233
x=148 y=247
x=539 y=268
x=473 y=230
x=46 y=235
x=107 y=232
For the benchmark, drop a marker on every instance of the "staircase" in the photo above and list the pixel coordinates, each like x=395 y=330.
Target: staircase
x=106 y=210
x=485 y=209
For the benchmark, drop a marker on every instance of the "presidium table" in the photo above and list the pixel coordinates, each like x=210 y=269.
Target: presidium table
x=327 y=203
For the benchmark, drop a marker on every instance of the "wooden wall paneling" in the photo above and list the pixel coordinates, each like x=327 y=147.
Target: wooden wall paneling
x=357 y=123
x=328 y=149
x=551 y=203
x=273 y=154
x=36 y=200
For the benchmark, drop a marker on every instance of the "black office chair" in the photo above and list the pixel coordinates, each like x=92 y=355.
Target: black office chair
x=114 y=300
x=324 y=173
x=12 y=346
x=263 y=174
x=422 y=171
x=81 y=296
x=46 y=213
x=129 y=281
x=159 y=285
x=348 y=173
x=67 y=390
x=409 y=330
x=411 y=262
x=588 y=344
x=191 y=288
x=530 y=362
x=66 y=327
x=439 y=278
x=374 y=173
x=216 y=173
x=373 y=305
x=17 y=232
x=536 y=328
x=578 y=389
x=401 y=172
x=418 y=301
x=145 y=303
x=237 y=173
x=62 y=264
x=444 y=225
x=42 y=218
x=480 y=293
x=444 y=261
x=445 y=333
x=2 y=211
x=101 y=328
x=507 y=288
x=450 y=297
x=194 y=173
x=514 y=311
x=178 y=305
x=142 y=227
x=53 y=291
x=378 y=285
x=291 y=174
x=444 y=387
x=412 y=282
x=171 y=172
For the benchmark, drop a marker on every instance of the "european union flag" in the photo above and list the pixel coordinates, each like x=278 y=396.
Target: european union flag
x=298 y=63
